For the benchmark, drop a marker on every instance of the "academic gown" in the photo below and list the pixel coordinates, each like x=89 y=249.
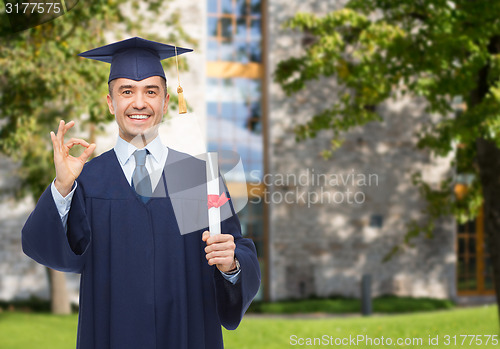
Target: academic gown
x=143 y=283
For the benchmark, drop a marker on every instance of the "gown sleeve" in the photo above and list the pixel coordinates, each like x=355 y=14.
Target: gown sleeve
x=234 y=299
x=44 y=238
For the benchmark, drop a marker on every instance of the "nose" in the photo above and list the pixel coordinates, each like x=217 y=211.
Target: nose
x=139 y=102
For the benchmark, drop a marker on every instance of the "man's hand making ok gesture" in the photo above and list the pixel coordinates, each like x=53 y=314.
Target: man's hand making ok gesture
x=68 y=168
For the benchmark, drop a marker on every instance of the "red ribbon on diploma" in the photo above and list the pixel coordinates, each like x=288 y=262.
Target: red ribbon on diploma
x=216 y=200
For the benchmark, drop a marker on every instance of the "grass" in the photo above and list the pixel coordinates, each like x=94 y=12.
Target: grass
x=274 y=333
x=37 y=331
x=45 y=331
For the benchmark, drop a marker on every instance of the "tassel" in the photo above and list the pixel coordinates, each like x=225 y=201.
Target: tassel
x=182 y=101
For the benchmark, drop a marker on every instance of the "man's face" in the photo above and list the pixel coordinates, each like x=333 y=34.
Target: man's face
x=138 y=107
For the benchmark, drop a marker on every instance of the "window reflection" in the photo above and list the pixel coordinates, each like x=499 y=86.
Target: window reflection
x=226 y=25
x=234 y=119
x=255 y=29
x=212 y=6
x=212 y=50
x=255 y=7
x=227 y=6
x=255 y=52
x=238 y=22
x=241 y=28
x=241 y=7
x=226 y=52
x=240 y=49
x=212 y=26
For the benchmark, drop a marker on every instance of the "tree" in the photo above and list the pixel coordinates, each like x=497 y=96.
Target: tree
x=42 y=81
x=441 y=50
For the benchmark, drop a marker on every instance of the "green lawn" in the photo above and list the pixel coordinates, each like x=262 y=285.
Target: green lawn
x=42 y=331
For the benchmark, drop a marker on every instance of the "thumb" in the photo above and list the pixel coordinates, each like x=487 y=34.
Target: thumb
x=86 y=154
x=206 y=235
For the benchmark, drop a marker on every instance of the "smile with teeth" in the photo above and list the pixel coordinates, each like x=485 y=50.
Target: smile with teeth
x=138 y=116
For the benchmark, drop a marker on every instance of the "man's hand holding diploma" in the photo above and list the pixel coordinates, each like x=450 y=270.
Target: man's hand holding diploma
x=68 y=168
x=220 y=251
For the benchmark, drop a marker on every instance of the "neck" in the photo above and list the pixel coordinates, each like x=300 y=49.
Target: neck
x=142 y=140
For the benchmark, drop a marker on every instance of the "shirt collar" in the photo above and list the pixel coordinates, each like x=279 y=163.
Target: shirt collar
x=156 y=148
x=124 y=149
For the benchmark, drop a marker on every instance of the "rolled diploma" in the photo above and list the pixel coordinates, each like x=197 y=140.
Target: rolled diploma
x=213 y=189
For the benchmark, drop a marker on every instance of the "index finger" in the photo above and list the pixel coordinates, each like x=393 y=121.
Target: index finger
x=220 y=238
x=63 y=128
x=67 y=127
x=86 y=154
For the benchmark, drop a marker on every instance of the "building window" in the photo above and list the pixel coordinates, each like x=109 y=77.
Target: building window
x=234 y=103
x=474 y=268
x=234 y=31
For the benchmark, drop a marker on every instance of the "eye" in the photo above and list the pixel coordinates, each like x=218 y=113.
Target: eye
x=151 y=92
x=127 y=92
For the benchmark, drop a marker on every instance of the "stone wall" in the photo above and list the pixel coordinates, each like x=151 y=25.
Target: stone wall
x=320 y=244
x=19 y=276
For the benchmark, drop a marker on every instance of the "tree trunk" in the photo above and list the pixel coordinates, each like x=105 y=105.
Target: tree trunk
x=488 y=157
x=58 y=293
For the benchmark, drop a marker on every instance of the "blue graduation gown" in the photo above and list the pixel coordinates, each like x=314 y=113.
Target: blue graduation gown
x=143 y=283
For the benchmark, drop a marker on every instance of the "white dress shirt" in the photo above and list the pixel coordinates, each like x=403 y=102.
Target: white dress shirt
x=155 y=163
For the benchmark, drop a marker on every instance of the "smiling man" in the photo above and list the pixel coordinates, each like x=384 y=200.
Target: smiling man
x=147 y=281
x=138 y=106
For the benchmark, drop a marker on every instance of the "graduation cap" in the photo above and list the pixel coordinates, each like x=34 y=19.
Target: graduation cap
x=138 y=59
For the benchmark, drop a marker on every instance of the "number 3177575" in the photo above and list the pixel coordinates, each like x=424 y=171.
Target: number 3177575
x=33 y=7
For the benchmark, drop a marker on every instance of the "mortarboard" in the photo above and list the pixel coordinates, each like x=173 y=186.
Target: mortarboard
x=136 y=59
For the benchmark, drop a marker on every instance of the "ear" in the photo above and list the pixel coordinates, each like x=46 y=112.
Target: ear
x=165 y=105
x=110 y=104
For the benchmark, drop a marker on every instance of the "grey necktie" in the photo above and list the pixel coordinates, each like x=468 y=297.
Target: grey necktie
x=140 y=178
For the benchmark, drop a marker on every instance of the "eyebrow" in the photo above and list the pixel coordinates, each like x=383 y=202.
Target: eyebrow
x=122 y=87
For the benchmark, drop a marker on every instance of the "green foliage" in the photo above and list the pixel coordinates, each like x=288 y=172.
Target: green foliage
x=42 y=80
x=393 y=304
x=334 y=305
x=34 y=304
x=341 y=305
x=442 y=51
